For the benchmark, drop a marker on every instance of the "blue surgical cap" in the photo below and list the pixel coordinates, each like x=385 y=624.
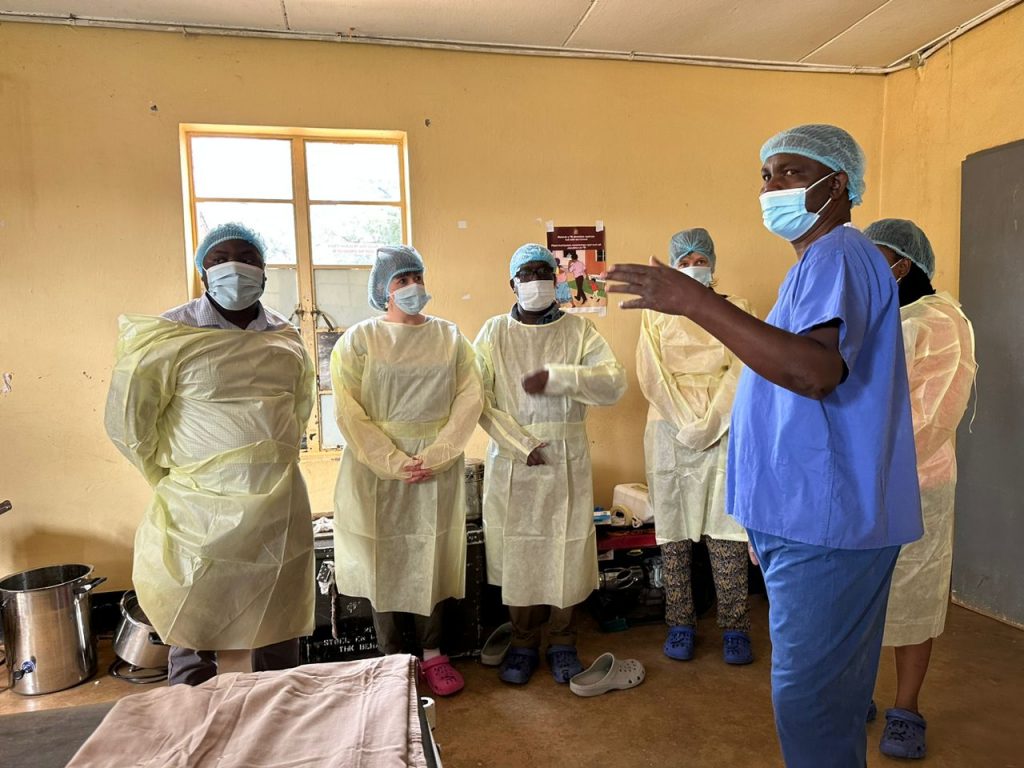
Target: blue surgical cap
x=829 y=145
x=530 y=252
x=224 y=232
x=906 y=239
x=392 y=261
x=689 y=241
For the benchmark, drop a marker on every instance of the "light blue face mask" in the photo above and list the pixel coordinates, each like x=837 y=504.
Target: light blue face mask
x=411 y=299
x=234 y=285
x=785 y=211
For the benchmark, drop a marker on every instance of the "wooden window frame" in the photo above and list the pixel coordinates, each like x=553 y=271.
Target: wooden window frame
x=301 y=203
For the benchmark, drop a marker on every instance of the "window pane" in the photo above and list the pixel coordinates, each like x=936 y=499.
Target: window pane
x=367 y=172
x=330 y=436
x=351 y=234
x=274 y=221
x=246 y=168
x=282 y=292
x=325 y=341
x=341 y=295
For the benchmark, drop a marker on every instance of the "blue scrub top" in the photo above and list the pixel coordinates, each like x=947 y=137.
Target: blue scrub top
x=839 y=472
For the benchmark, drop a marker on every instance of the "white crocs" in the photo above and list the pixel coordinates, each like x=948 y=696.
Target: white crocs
x=497 y=645
x=607 y=674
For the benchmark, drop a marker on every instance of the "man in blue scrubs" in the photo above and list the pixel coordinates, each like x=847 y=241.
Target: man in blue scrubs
x=822 y=469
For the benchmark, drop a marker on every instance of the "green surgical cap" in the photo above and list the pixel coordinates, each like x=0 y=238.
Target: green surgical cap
x=906 y=239
x=225 y=232
x=689 y=241
x=530 y=252
x=831 y=146
x=391 y=261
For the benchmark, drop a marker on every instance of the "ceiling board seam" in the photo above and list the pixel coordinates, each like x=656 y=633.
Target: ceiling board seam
x=579 y=23
x=855 y=24
x=284 y=13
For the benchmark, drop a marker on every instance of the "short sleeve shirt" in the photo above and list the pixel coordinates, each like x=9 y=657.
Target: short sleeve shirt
x=839 y=472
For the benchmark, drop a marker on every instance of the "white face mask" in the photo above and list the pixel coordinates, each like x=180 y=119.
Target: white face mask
x=701 y=274
x=411 y=299
x=234 y=285
x=536 y=295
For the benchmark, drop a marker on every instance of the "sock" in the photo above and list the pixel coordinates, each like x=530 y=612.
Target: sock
x=431 y=653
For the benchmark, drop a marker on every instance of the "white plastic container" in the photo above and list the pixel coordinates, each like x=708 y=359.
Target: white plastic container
x=633 y=504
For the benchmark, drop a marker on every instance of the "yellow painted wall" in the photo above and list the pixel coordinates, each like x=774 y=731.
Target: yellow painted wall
x=967 y=98
x=91 y=212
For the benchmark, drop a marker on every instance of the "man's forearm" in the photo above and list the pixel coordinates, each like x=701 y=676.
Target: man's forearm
x=799 y=363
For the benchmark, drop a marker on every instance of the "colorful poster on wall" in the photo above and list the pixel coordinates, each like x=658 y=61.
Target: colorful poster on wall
x=582 y=267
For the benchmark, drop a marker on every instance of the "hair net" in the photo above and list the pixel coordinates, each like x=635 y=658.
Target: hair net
x=224 y=232
x=907 y=239
x=392 y=260
x=689 y=241
x=829 y=145
x=530 y=252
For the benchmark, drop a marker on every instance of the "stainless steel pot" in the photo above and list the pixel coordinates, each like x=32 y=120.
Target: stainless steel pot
x=135 y=640
x=48 y=639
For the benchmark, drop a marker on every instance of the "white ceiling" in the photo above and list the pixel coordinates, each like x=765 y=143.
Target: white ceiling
x=844 y=33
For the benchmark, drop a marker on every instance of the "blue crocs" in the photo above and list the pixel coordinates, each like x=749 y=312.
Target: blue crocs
x=518 y=665
x=564 y=662
x=679 y=643
x=903 y=735
x=736 y=648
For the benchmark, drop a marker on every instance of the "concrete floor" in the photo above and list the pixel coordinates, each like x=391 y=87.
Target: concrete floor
x=694 y=714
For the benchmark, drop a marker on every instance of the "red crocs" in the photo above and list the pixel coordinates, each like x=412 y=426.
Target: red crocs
x=442 y=678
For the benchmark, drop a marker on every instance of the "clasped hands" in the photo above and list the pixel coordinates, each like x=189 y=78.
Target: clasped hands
x=414 y=472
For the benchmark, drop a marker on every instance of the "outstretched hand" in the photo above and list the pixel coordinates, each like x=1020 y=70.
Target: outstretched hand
x=657 y=286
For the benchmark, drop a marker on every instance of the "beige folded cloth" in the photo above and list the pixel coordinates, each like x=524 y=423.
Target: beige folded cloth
x=359 y=713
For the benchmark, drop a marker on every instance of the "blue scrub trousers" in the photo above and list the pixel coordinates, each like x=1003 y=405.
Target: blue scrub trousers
x=826 y=616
